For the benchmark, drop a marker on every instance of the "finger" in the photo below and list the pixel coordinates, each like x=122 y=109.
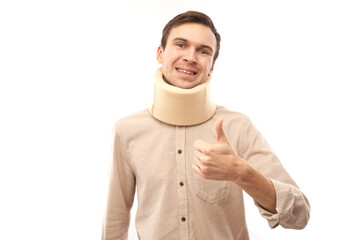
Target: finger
x=221 y=137
x=197 y=162
x=197 y=170
x=198 y=154
x=201 y=146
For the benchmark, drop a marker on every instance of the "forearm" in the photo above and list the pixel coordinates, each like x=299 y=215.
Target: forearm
x=292 y=206
x=280 y=203
x=257 y=186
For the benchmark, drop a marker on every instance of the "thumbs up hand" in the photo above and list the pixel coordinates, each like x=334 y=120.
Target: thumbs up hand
x=217 y=161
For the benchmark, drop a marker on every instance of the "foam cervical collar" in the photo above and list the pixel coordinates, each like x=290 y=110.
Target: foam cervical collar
x=181 y=107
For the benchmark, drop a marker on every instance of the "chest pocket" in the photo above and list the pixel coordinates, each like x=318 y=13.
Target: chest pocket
x=211 y=190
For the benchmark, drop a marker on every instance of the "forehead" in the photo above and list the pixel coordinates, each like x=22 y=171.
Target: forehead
x=195 y=33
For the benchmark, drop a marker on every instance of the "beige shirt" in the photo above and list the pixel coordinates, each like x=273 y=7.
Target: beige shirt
x=176 y=203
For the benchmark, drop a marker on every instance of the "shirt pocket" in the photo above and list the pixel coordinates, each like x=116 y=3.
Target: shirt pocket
x=211 y=190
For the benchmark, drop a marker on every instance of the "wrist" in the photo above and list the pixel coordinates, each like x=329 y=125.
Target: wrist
x=244 y=173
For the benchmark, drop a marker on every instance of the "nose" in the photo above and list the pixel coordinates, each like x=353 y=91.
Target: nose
x=190 y=56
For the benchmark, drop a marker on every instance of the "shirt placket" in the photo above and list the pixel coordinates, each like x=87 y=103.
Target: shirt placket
x=182 y=186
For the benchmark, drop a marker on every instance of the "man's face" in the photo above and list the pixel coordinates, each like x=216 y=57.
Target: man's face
x=187 y=59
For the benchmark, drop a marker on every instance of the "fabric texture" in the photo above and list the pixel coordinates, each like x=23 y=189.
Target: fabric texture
x=173 y=201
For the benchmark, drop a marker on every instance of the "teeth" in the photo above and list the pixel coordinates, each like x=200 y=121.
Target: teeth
x=184 y=71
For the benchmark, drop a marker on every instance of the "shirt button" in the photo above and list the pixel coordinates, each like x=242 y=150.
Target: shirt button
x=179 y=151
x=181 y=184
x=183 y=219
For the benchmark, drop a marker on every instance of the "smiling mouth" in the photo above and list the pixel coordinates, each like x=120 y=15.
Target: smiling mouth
x=186 y=71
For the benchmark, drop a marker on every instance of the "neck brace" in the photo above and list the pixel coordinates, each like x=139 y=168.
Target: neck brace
x=181 y=107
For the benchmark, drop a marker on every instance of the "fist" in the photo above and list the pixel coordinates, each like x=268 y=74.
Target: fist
x=217 y=161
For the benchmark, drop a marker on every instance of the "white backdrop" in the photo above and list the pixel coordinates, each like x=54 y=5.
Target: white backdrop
x=69 y=69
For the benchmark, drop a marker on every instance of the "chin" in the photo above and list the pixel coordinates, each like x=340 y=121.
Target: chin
x=185 y=85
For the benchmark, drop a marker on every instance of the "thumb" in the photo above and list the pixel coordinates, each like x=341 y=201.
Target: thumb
x=221 y=137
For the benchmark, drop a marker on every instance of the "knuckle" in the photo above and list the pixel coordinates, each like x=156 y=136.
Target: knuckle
x=206 y=176
x=205 y=160
x=205 y=170
x=209 y=150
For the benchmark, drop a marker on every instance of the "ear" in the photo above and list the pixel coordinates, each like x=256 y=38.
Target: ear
x=159 y=54
x=211 y=69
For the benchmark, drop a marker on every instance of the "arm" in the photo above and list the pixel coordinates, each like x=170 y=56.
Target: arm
x=120 y=195
x=256 y=185
x=292 y=206
x=220 y=162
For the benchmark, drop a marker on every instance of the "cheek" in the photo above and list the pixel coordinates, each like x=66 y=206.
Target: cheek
x=168 y=60
x=207 y=65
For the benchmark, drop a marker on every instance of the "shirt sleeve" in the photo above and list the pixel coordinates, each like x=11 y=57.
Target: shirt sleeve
x=120 y=194
x=292 y=206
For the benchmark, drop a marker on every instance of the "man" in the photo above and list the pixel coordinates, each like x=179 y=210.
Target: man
x=190 y=159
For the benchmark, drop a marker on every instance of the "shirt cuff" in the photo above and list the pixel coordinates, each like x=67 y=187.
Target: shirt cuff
x=285 y=199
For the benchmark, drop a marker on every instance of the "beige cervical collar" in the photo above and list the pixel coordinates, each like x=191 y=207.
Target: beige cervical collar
x=182 y=107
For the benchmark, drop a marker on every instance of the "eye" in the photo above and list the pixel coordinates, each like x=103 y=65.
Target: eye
x=181 y=45
x=203 y=52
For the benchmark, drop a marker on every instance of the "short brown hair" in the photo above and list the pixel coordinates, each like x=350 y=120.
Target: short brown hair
x=191 y=17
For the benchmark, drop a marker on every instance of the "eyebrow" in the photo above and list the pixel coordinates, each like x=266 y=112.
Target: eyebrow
x=185 y=40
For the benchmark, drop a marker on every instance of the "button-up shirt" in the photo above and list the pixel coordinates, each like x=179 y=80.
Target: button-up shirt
x=176 y=203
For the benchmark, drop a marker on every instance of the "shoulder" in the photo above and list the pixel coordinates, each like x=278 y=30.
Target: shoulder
x=138 y=116
x=231 y=117
x=133 y=122
x=141 y=124
x=235 y=123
